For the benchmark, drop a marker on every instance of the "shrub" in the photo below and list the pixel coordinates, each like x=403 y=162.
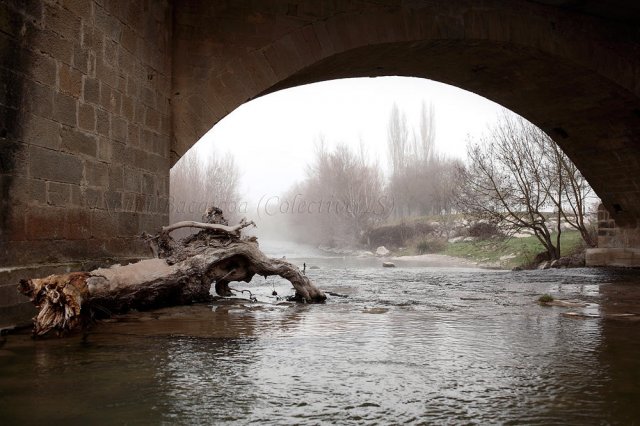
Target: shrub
x=545 y=298
x=395 y=235
x=430 y=246
x=483 y=230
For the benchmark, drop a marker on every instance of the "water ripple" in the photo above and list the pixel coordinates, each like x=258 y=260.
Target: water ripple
x=406 y=346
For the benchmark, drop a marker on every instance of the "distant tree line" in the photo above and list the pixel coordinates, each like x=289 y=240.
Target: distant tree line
x=515 y=178
x=421 y=180
x=200 y=179
x=342 y=194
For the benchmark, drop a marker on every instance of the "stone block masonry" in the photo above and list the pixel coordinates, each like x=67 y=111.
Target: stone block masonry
x=98 y=98
x=616 y=246
x=84 y=94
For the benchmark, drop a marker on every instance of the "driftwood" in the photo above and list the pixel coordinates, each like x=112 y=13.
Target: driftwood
x=181 y=272
x=231 y=230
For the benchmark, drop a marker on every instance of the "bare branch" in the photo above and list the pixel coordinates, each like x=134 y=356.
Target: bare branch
x=231 y=230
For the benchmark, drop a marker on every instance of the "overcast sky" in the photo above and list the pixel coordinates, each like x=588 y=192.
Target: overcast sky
x=273 y=137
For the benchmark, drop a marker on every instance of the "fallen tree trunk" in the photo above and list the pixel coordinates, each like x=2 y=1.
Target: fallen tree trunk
x=181 y=273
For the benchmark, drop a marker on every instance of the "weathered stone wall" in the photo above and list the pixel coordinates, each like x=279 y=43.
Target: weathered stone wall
x=616 y=246
x=611 y=235
x=606 y=228
x=84 y=132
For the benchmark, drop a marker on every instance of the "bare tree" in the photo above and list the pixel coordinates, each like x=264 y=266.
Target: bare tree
x=340 y=198
x=427 y=133
x=399 y=153
x=420 y=177
x=398 y=140
x=516 y=175
x=572 y=191
x=200 y=179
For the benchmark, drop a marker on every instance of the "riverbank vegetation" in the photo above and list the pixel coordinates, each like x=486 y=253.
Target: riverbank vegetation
x=513 y=252
x=519 y=179
x=480 y=242
x=545 y=299
x=345 y=194
x=516 y=201
x=422 y=181
x=341 y=197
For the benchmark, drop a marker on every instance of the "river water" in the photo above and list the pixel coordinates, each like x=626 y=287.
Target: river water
x=416 y=344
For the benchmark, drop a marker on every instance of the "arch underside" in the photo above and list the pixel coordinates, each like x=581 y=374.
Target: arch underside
x=573 y=71
x=596 y=122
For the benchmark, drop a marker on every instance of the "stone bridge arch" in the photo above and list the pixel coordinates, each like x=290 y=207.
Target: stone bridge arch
x=575 y=75
x=98 y=98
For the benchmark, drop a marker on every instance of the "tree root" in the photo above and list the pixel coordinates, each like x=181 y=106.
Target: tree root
x=181 y=273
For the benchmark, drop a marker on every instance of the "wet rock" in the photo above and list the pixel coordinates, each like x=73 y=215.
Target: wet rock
x=541 y=257
x=388 y=264
x=579 y=315
x=544 y=265
x=314 y=267
x=567 y=303
x=627 y=316
x=375 y=310
x=577 y=260
x=382 y=251
x=563 y=262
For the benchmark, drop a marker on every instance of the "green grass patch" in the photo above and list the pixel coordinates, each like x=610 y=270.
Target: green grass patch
x=510 y=252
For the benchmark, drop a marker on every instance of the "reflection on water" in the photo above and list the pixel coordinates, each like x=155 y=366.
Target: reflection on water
x=408 y=345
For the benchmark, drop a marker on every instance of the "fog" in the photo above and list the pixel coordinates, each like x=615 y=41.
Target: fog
x=273 y=138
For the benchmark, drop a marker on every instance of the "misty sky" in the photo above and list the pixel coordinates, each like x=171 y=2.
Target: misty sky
x=273 y=137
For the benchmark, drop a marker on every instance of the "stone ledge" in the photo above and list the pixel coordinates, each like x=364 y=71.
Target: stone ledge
x=20 y=315
x=622 y=257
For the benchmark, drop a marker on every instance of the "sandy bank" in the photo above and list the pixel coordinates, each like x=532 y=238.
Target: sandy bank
x=437 y=260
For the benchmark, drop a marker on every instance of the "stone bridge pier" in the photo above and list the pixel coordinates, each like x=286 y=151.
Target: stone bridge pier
x=98 y=98
x=85 y=134
x=617 y=246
